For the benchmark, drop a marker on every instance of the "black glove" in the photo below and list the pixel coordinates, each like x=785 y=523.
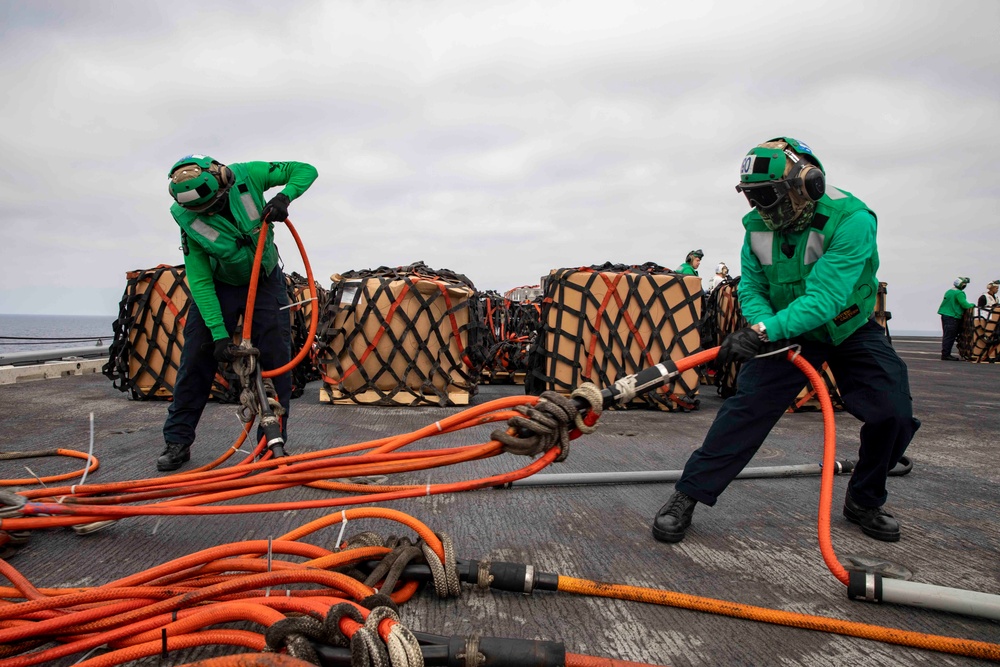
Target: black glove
x=276 y=210
x=741 y=345
x=224 y=350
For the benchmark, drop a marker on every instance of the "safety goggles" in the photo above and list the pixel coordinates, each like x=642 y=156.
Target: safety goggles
x=765 y=195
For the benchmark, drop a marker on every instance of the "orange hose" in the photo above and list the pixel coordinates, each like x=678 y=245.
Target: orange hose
x=251 y=660
x=829 y=465
x=577 y=660
x=254 y=279
x=250 y=640
x=314 y=314
x=92 y=465
x=967 y=647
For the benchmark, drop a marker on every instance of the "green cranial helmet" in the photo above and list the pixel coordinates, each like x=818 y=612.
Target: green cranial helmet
x=198 y=182
x=782 y=179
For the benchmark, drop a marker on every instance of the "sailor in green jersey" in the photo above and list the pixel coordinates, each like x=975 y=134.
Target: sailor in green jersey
x=952 y=309
x=219 y=209
x=808 y=274
x=691 y=263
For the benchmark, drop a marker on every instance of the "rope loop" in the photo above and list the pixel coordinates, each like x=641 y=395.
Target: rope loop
x=591 y=393
x=367 y=649
x=293 y=635
x=445 y=575
x=543 y=426
x=401 y=645
x=11 y=504
x=331 y=624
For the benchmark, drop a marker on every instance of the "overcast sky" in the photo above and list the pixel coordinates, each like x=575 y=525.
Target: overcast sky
x=495 y=139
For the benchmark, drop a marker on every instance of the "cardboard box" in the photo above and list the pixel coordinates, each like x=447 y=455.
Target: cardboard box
x=601 y=324
x=397 y=340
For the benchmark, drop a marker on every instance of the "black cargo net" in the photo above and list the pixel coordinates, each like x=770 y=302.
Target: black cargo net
x=149 y=336
x=301 y=299
x=427 y=361
x=509 y=329
x=723 y=316
x=610 y=328
x=979 y=338
x=149 y=332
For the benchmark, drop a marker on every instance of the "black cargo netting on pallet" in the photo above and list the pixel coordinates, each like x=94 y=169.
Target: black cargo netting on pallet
x=146 y=347
x=625 y=351
x=979 y=338
x=723 y=316
x=510 y=328
x=141 y=326
x=378 y=376
x=298 y=293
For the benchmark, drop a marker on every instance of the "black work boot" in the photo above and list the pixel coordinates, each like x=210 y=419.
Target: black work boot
x=949 y=357
x=874 y=521
x=173 y=457
x=673 y=519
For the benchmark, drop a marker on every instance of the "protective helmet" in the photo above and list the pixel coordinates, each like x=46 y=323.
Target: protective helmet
x=694 y=253
x=722 y=269
x=960 y=282
x=198 y=182
x=783 y=179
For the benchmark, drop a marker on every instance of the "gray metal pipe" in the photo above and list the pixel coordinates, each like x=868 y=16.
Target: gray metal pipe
x=39 y=356
x=873 y=587
x=653 y=476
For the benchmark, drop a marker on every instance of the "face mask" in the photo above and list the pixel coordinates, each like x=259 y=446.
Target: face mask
x=782 y=217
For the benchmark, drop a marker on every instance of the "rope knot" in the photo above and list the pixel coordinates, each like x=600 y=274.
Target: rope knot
x=548 y=423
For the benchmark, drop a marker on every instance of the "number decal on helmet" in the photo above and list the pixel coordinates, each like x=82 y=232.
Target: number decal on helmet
x=747 y=165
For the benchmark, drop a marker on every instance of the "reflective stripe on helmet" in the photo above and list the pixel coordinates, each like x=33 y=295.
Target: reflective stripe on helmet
x=189 y=196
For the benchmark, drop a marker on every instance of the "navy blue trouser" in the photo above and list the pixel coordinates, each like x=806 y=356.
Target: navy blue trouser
x=950 y=326
x=873 y=383
x=270 y=333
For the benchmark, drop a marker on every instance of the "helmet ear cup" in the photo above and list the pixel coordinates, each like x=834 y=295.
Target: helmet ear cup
x=813 y=182
x=225 y=176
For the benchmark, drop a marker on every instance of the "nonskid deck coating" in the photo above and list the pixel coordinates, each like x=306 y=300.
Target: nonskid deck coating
x=757 y=546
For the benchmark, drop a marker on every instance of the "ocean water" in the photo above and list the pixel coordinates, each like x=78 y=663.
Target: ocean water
x=86 y=329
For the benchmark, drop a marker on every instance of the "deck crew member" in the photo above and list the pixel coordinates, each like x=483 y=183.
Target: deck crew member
x=989 y=299
x=952 y=309
x=721 y=275
x=691 y=263
x=219 y=209
x=809 y=261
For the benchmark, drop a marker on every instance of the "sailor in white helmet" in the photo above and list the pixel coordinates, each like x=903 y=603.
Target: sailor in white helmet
x=721 y=275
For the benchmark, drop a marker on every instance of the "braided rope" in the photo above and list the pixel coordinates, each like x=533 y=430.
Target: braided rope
x=543 y=426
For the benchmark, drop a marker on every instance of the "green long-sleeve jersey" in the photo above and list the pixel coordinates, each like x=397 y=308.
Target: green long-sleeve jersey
x=218 y=249
x=826 y=289
x=954 y=304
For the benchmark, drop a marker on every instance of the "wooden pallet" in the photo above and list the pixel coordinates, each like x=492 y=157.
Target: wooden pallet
x=504 y=377
x=403 y=398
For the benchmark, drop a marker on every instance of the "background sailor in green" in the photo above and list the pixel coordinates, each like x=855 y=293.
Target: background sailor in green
x=219 y=209
x=952 y=309
x=808 y=274
x=691 y=263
